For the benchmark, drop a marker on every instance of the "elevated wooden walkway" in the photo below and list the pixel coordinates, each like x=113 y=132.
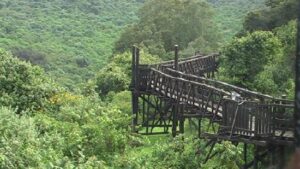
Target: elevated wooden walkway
x=164 y=95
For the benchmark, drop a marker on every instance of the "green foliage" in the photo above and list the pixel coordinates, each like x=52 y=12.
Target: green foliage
x=229 y=156
x=273 y=3
x=165 y=23
x=279 y=13
x=20 y=144
x=180 y=153
x=122 y=101
x=287 y=35
x=246 y=57
x=59 y=34
x=176 y=153
x=116 y=76
x=281 y=71
x=82 y=134
x=73 y=39
x=69 y=131
x=230 y=14
x=111 y=78
x=23 y=86
x=263 y=61
x=88 y=126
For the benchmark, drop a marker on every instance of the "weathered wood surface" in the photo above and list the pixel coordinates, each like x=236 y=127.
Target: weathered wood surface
x=250 y=114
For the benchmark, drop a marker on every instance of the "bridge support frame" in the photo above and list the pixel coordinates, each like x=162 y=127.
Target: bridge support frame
x=135 y=87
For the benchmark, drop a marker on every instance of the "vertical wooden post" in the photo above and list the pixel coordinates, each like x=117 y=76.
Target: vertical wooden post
x=215 y=66
x=255 y=162
x=181 y=122
x=281 y=157
x=176 y=58
x=137 y=84
x=294 y=163
x=245 y=155
x=174 y=120
x=297 y=88
x=199 y=127
x=134 y=84
x=176 y=103
x=178 y=106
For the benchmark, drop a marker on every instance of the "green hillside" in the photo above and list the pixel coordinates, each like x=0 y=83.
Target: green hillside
x=71 y=107
x=230 y=14
x=71 y=39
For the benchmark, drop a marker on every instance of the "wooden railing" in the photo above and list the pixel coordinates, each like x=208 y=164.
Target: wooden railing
x=197 y=65
x=206 y=98
x=256 y=119
x=251 y=115
x=244 y=94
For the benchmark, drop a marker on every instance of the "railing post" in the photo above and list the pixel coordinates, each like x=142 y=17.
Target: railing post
x=281 y=156
x=134 y=85
x=215 y=66
x=256 y=154
x=137 y=70
x=176 y=102
x=297 y=92
x=176 y=58
x=245 y=156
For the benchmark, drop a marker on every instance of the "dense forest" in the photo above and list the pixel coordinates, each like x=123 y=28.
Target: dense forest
x=70 y=39
x=65 y=71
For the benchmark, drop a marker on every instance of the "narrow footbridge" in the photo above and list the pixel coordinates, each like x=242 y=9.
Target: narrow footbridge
x=167 y=95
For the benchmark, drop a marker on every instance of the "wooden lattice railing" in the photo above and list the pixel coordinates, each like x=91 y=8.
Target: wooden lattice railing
x=242 y=112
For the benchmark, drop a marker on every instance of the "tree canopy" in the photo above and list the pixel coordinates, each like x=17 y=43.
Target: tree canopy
x=165 y=23
x=278 y=13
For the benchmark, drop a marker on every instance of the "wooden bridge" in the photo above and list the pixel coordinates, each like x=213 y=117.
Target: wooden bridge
x=167 y=94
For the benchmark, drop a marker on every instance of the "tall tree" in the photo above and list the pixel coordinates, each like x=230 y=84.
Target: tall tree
x=165 y=23
x=245 y=58
x=278 y=13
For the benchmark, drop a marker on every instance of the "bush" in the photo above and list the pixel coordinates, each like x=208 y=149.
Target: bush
x=21 y=145
x=87 y=127
x=111 y=78
x=246 y=57
x=23 y=86
x=116 y=76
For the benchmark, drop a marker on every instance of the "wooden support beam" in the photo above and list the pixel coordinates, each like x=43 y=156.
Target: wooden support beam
x=176 y=103
x=134 y=89
x=199 y=127
x=174 y=120
x=255 y=161
x=281 y=158
x=297 y=88
x=210 y=151
x=245 y=156
x=176 y=57
x=181 y=118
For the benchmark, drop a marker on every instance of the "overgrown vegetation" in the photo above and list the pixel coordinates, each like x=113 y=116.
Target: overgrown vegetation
x=70 y=39
x=278 y=13
x=61 y=110
x=188 y=24
x=230 y=15
x=263 y=60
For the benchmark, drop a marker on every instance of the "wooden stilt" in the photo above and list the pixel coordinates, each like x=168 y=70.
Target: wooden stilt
x=245 y=156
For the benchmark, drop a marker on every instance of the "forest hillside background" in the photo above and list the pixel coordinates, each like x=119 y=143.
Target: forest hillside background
x=65 y=72
x=72 y=40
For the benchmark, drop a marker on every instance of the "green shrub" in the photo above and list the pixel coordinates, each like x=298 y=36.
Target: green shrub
x=111 y=78
x=21 y=145
x=244 y=58
x=228 y=156
x=87 y=127
x=23 y=86
x=116 y=76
